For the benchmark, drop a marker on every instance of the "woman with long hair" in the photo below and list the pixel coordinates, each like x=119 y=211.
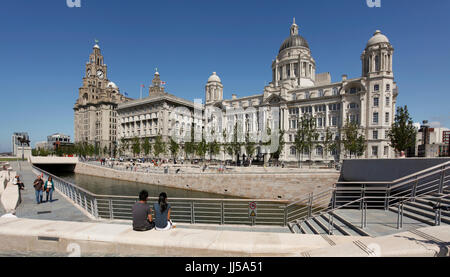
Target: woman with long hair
x=49 y=187
x=162 y=213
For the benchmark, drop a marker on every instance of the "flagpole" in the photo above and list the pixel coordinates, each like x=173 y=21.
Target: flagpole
x=141 y=92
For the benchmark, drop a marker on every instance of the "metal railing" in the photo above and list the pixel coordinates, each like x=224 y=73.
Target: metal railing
x=364 y=208
x=184 y=210
x=384 y=194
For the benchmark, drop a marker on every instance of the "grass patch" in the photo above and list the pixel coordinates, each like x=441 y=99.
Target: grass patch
x=8 y=159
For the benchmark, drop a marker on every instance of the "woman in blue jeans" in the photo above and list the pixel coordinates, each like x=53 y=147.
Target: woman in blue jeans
x=49 y=187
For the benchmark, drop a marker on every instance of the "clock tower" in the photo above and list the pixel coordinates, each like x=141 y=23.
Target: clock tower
x=95 y=115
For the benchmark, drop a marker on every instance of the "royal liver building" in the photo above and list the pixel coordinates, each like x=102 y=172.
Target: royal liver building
x=297 y=90
x=95 y=115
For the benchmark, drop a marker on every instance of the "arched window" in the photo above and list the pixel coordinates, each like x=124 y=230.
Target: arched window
x=293 y=151
x=377 y=63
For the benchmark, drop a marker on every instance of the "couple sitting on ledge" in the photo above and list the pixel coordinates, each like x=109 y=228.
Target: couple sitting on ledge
x=142 y=214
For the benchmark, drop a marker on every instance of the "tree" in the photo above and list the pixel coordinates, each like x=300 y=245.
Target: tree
x=213 y=149
x=146 y=146
x=306 y=136
x=159 y=147
x=250 y=145
x=174 y=147
x=136 y=146
x=123 y=146
x=353 y=142
x=201 y=148
x=402 y=134
x=328 y=143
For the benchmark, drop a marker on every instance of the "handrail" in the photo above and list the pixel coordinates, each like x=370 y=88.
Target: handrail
x=362 y=198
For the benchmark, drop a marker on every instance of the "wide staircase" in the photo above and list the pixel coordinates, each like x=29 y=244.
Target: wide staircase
x=376 y=208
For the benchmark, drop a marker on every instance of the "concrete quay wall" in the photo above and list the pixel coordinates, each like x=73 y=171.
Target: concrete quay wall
x=287 y=186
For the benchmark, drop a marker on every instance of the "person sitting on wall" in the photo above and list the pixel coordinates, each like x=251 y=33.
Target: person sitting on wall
x=142 y=214
x=162 y=213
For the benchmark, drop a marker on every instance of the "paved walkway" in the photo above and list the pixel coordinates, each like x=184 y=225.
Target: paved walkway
x=380 y=222
x=59 y=209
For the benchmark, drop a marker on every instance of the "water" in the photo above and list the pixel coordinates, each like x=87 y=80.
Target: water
x=106 y=186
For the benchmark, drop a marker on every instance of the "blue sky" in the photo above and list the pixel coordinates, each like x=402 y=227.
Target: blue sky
x=44 y=46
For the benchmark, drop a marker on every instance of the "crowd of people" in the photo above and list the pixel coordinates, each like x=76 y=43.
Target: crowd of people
x=143 y=214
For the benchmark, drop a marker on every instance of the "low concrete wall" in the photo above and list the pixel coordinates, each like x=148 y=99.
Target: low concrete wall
x=246 y=185
x=91 y=239
x=10 y=197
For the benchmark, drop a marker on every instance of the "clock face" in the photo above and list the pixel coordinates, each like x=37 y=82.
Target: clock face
x=100 y=74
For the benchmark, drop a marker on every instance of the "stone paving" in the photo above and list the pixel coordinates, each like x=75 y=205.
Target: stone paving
x=380 y=222
x=59 y=209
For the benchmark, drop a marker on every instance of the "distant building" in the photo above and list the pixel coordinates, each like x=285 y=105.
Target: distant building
x=21 y=144
x=432 y=142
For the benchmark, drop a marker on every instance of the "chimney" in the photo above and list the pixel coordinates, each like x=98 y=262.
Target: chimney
x=233 y=96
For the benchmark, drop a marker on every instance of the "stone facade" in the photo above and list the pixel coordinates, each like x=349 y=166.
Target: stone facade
x=297 y=90
x=95 y=109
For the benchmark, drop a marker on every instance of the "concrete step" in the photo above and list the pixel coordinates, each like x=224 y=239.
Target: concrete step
x=306 y=229
x=340 y=227
x=348 y=224
x=429 y=214
x=293 y=227
x=415 y=216
x=427 y=207
x=324 y=224
x=444 y=201
x=314 y=227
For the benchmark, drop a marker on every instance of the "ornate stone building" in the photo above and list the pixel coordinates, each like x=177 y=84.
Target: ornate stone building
x=95 y=108
x=160 y=113
x=296 y=90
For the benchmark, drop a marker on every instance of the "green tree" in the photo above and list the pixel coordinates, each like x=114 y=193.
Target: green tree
x=250 y=145
x=306 y=135
x=281 y=144
x=136 y=146
x=201 y=148
x=159 y=147
x=123 y=146
x=402 y=134
x=353 y=142
x=213 y=149
x=146 y=146
x=174 y=147
x=328 y=143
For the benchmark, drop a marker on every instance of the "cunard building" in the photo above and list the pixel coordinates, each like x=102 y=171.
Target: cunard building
x=95 y=109
x=297 y=90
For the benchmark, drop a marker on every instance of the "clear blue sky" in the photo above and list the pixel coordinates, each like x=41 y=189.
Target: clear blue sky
x=44 y=46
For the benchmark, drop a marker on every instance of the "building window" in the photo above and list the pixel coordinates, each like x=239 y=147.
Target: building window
x=375 y=134
x=335 y=91
x=386 y=118
x=375 y=150
x=376 y=88
x=388 y=101
x=319 y=151
x=386 y=150
x=375 y=118
x=293 y=151
x=353 y=106
x=353 y=90
x=319 y=122
x=307 y=95
x=321 y=94
x=376 y=101
x=388 y=87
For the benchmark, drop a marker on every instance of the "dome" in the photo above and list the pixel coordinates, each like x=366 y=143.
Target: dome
x=294 y=41
x=214 y=78
x=112 y=85
x=378 y=37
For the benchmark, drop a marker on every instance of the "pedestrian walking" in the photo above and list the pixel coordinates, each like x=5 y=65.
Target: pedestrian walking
x=38 y=185
x=49 y=187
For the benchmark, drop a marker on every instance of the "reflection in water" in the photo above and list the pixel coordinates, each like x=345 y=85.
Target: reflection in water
x=106 y=186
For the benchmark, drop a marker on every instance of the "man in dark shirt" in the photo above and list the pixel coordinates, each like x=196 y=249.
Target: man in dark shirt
x=142 y=214
x=39 y=187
